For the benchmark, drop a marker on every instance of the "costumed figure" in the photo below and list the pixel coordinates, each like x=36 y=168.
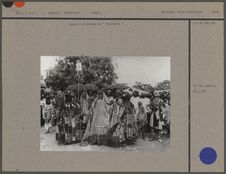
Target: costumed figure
x=91 y=106
x=156 y=120
x=42 y=105
x=76 y=121
x=117 y=127
x=166 y=118
x=128 y=118
x=141 y=120
x=101 y=116
x=60 y=112
x=47 y=113
x=69 y=113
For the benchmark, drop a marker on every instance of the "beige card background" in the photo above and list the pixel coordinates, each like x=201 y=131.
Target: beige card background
x=24 y=41
x=207 y=108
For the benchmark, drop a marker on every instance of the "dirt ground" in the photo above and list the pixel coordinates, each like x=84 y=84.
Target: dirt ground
x=49 y=143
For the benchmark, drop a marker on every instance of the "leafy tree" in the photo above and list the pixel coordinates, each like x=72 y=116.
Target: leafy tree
x=95 y=70
x=142 y=86
x=163 y=85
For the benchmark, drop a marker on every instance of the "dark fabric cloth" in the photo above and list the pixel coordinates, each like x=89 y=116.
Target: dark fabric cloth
x=148 y=127
x=148 y=117
x=155 y=120
x=68 y=99
x=60 y=99
x=42 y=94
x=117 y=135
x=130 y=126
x=141 y=128
x=48 y=100
x=99 y=139
x=59 y=114
x=42 y=119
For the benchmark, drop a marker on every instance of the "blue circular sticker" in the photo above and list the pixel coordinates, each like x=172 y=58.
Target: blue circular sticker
x=208 y=155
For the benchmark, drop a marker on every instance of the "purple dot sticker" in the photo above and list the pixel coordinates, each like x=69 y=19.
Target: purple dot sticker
x=208 y=155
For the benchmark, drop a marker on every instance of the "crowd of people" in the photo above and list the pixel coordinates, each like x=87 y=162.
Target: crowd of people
x=105 y=117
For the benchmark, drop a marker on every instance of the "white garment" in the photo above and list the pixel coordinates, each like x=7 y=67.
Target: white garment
x=166 y=114
x=145 y=102
x=135 y=101
x=161 y=123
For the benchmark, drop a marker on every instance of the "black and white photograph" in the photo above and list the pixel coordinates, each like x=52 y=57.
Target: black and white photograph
x=105 y=103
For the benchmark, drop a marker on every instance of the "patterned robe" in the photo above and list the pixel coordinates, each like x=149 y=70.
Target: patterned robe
x=129 y=121
x=100 y=121
x=116 y=124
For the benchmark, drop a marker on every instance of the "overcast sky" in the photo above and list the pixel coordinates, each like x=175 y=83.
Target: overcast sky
x=129 y=69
